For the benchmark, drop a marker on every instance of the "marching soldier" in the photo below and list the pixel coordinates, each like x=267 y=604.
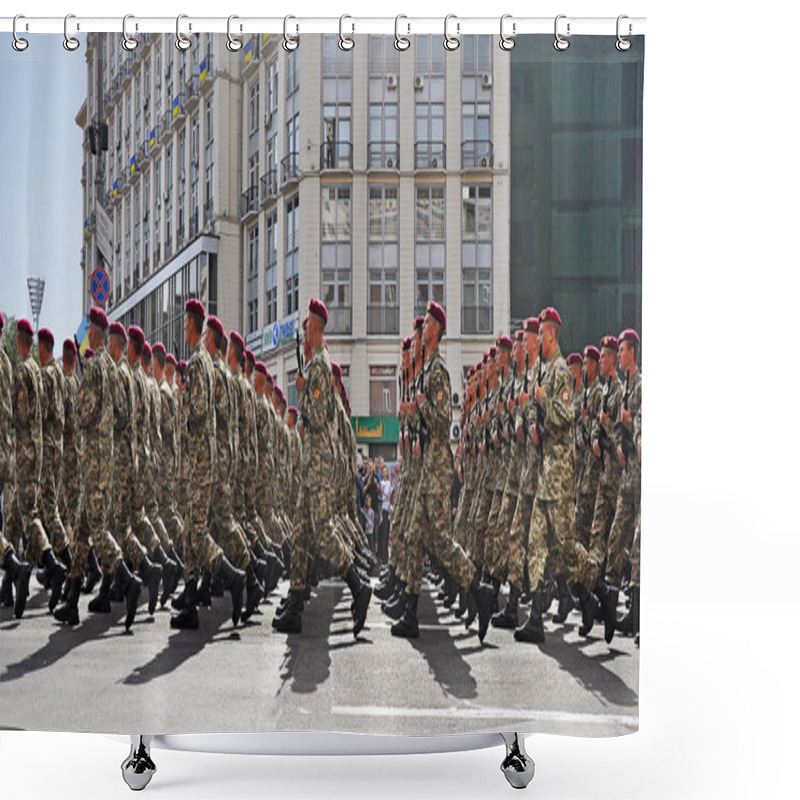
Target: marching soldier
x=296 y=447
x=575 y=364
x=69 y=497
x=590 y=400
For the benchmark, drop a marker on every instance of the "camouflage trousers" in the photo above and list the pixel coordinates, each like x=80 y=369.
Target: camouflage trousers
x=401 y=545
x=69 y=495
x=227 y=533
x=620 y=538
x=120 y=513
x=431 y=532
x=521 y=523
x=591 y=560
x=5 y=548
x=92 y=528
x=584 y=514
x=480 y=523
x=244 y=509
x=491 y=542
x=460 y=527
x=12 y=521
x=273 y=530
x=170 y=515
x=551 y=541
x=200 y=550
x=51 y=472
x=26 y=509
x=636 y=555
x=152 y=482
x=315 y=532
x=497 y=559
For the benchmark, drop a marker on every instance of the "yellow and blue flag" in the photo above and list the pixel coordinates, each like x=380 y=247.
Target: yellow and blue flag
x=176 y=107
x=82 y=334
x=153 y=138
x=203 y=70
x=264 y=38
x=114 y=190
x=133 y=164
x=248 y=52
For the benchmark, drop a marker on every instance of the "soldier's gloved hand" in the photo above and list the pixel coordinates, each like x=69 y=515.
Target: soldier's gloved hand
x=603 y=418
x=581 y=443
x=621 y=457
x=596 y=449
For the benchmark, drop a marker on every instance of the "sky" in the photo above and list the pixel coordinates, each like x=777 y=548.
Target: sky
x=41 y=91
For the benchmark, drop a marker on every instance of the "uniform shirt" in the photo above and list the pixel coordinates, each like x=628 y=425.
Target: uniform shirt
x=319 y=414
x=435 y=409
x=27 y=413
x=6 y=415
x=624 y=434
x=142 y=415
x=610 y=399
x=169 y=450
x=222 y=407
x=96 y=413
x=154 y=424
x=52 y=407
x=592 y=397
x=201 y=428
x=125 y=417
x=73 y=446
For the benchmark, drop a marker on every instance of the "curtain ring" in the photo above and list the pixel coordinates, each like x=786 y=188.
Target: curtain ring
x=128 y=42
x=401 y=43
x=233 y=44
x=507 y=42
x=18 y=43
x=70 y=42
x=622 y=44
x=451 y=43
x=560 y=42
x=183 y=43
x=346 y=42
x=290 y=41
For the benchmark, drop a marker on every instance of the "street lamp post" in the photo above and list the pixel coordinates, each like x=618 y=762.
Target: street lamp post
x=36 y=292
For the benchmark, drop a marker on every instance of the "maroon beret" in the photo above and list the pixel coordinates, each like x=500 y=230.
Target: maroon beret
x=590 y=351
x=147 y=351
x=250 y=356
x=629 y=334
x=531 y=325
x=270 y=377
x=418 y=323
x=136 y=333
x=23 y=326
x=316 y=306
x=549 y=314
x=492 y=352
x=262 y=368
x=183 y=365
x=98 y=317
x=170 y=359
x=610 y=341
x=336 y=368
x=485 y=358
x=518 y=335
x=69 y=347
x=216 y=325
x=236 y=338
x=2 y=321
x=88 y=353
x=158 y=347
x=46 y=335
x=506 y=341
x=574 y=358
x=278 y=391
x=437 y=312
x=292 y=410
x=407 y=343
x=118 y=329
x=194 y=306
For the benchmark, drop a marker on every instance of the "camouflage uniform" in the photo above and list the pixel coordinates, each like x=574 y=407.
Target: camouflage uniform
x=296 y=447
x=251 y=466
x=636 y=548
x=153 y=471
x=52 y=452
x=6 y=447
x=264 y=484
x=591 y=400
x=170 y=459
x=141 y=523
x=71 y=488
x=201 y=551
x=242 y=452
x=430 y=525
x=96 y=419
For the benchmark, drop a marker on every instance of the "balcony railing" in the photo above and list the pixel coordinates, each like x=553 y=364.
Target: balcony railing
x=429 y=155
x=167 y=249
x=476 y=153
x=383 y=319
x=249 y=204
x=340 y=319
x=181 y=236
x=193 y=225
x=208 y=214
x=336 y=155
x=269 y=185
x=290 y=168
x=383 y=155
x=192 y=88
x=476 y=319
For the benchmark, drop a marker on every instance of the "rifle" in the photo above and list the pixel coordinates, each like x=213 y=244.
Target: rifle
x=603 y=439
x=500 y=400
x=424 y=433
x=299 y=355
x=627 y=440
x=525 y=391
x=540 y=432
x=78 y=350
x=587 y=440
x=509 y=418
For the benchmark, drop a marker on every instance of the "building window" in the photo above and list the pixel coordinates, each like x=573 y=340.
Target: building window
x=271 y=272
x=252 y=107
x=128 y=246
x=429 y=146
x=382 y=260
x=209 y=161
x=194 y=197
x=383 y=146
x=336 y=256
x=382 y=391
x=168 y=204
x=291 y=388
x=476 y=258
x=157 y=198
x=429 y=253
x=337 y=97
x=252 y=278
x=137 y=216
x=292 y=267
x=476 y=54
x=146 y=221
x=429 y=55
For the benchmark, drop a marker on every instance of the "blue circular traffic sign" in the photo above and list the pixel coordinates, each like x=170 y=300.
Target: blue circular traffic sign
x=100 y=286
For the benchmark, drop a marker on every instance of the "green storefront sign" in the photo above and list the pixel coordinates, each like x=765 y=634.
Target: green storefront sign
x=380 y=430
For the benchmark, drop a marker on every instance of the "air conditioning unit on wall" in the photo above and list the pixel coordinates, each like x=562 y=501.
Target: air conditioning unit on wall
x=391 y=81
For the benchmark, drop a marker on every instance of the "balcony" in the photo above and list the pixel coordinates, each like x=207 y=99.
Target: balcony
x=208 y=215
x=340 y=320
x=193 y=225
x=477 y=154
x=269 y=185
x=290 y=168
x=166 y=123
x=205 y=80
x=336 y=155
x=192 y=91
x=155 y=138
x=178 y=109
x=383 y=155
x=383 y=319
x=476 y=319
x=181 y=236
x=429 y=155
x=249 y=203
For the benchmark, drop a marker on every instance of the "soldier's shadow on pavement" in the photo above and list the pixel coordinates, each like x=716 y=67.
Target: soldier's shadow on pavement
x=65 y=639
x=588 y=670
x=215 y=627
x=445 y=660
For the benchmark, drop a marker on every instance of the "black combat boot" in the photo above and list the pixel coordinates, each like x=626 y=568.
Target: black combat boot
x=7 y=588
x=169 y=574
x=92 y=573
x=533 y=630
x=216 y=587
x=508 y=618
x=362 y=594
x=232 y=580
x=462 y=604
x=628 y=625
x=291 y=621
x=407 y=626
x=589 y=605
x=451 y=592
x=56 y=574
x=383 y=591
x=178 y=562
x=18 y=573
x=260 y=567
x=65 y=557
x=101 y=602
x=187 y=617
x=179 y=601
x=67 y=611
x=396 y=605
x=482 y=596
x=565 y=601
x=204 y=590
x=495 y=582
x=608 y=600
x=287 y=560
x=132 y=587
x=151 y=575
x=255 y=591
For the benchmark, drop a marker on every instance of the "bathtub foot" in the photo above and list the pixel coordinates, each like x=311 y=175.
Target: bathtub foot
x=138 y=768
x=518 y=766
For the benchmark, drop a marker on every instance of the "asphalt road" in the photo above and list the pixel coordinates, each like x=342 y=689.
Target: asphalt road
x=97 y=677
